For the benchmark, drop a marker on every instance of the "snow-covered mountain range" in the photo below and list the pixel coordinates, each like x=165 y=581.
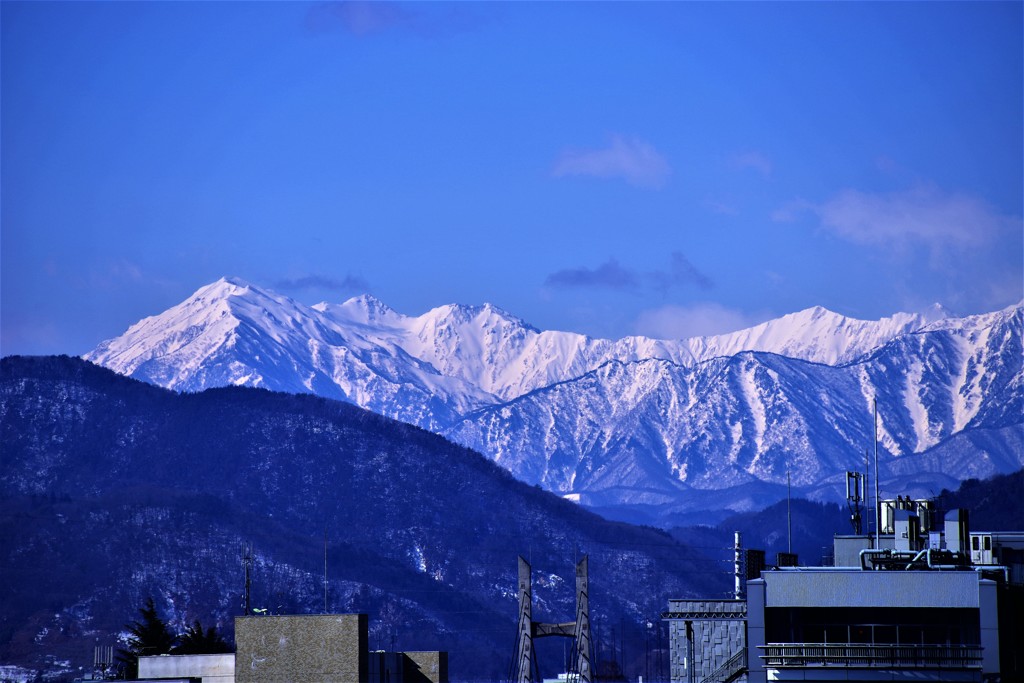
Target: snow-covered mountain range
x=633 y=421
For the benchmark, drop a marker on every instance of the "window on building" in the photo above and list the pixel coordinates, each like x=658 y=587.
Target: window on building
x=879 y=625
x=860 y=633
x=885 y=634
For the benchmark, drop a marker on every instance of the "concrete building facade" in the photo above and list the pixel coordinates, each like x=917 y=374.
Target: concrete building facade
x=327 y=648
x=938 y=606
x=854 y=625
x=201 y=668
x=707 y=638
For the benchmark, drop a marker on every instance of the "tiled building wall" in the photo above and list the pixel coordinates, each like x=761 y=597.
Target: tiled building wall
x=714 y=640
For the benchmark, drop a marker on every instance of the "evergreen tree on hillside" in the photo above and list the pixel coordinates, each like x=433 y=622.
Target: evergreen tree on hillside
x=196 y=641
x=149 y=636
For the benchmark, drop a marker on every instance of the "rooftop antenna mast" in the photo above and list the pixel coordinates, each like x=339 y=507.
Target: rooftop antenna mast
x=247 y=563
x=864 y=491
x=325 y=570
x=874 y=429
x=789 y=512
x=854 y=496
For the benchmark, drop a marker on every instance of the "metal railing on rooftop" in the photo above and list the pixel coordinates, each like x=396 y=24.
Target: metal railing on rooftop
x=784 y=655
x=730 y=670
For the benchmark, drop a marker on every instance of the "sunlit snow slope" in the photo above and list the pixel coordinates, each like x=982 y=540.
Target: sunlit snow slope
x=628 y=421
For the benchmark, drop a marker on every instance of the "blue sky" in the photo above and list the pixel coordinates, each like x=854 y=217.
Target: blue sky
x=613 y=168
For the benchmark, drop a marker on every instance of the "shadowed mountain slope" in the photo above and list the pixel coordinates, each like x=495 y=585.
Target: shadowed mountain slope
x=113 y=490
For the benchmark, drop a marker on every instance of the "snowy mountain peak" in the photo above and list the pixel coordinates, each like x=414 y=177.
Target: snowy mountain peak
x=936 y=312
x=364 y=309
x=582 y=414
x=485 y=315
x=240 y=297
x=974 y=322
x=816 y=334
x=225 y=286
x=229 y=317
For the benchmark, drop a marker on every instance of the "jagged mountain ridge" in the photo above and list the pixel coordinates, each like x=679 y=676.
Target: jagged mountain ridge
x=653 y=426
x=423 y=533
x=478 y=352
x=628 y=420
x=231 y=333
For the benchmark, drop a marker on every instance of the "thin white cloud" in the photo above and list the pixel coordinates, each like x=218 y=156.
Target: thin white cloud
x=115 y=274
x=722 y=208
x=791 y=210
x=627 y=158
x=755 y=161
x=921 y=216
x=364 y=18
x=358 y=17
x=349 y=283
x=697 y=320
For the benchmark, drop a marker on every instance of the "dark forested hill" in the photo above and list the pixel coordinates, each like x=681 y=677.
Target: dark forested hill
x=112 y=490
x=995 y=504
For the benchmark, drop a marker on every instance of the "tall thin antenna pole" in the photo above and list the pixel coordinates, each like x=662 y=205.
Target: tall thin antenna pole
x=789 y=512
x=874 y=429
x=325 y=570
x=247 y=562
x=867 y=483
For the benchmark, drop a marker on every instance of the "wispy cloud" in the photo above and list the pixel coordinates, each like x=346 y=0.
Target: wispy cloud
x=113 y=275
x=365 y=18
x=755 y=161
x=357 y=17
x=697 y=320
x=350 y=283
x=722 y=208
x=612 y=275
x=608 y=275
x=626 y=158
x=922 y=216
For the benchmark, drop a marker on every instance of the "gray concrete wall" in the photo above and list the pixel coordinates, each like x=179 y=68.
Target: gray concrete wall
x=846 y=549
x=855 y=588
x=209 y=668
x=329 y=648
x=755 y=632
x=988 y=616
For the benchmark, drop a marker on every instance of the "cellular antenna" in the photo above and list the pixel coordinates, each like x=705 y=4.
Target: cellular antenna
x=247 y=563
x=854 y=496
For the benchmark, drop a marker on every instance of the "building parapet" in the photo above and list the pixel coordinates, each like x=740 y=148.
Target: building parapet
x=706 y=609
